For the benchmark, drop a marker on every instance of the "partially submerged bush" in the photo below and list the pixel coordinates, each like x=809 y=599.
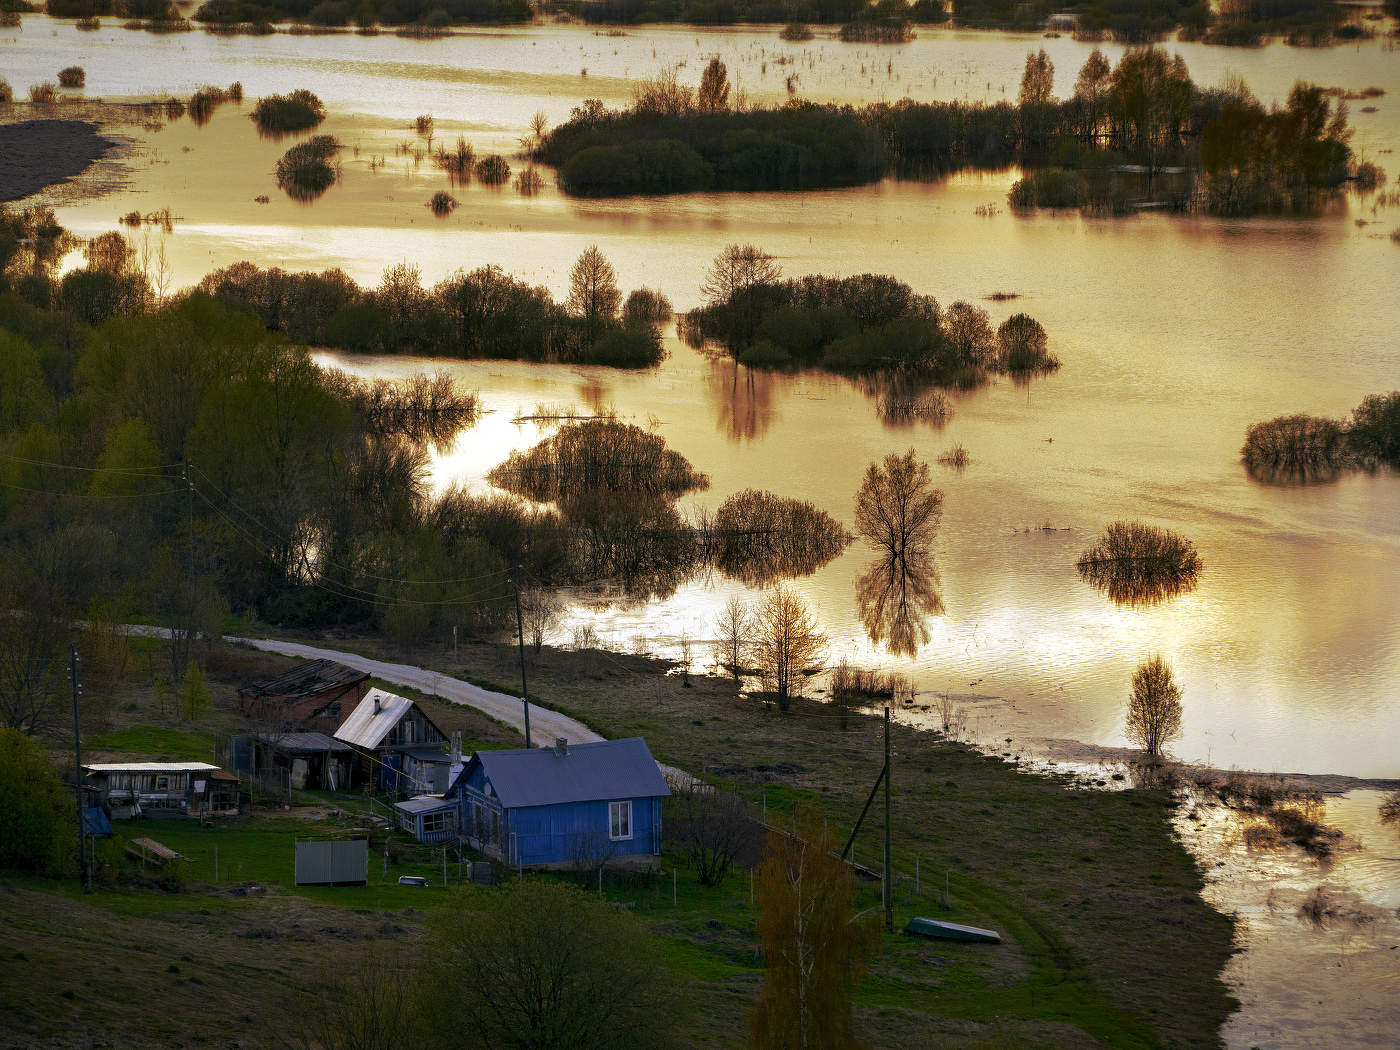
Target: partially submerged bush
x=7 y=93
x=877 y=31
x=458 y=162
x=492 y=170
x=1296 y=448
x=625 y=348
x=88 y=24
x=597 y=454
x=646 y=306
x=529 y=181
x=298 y=111
x=758 y=537
x=307 y=170
x=1140 y=564
x=442 y=203
x=206 y=99
x=45 y=92
x=72 y=77
x=796 y=32
x=1021 y=346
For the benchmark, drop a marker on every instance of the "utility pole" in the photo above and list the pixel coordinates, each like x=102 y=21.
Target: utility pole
x=189 y=573
x=78 y=771
x=889 y=888
x=520 y=637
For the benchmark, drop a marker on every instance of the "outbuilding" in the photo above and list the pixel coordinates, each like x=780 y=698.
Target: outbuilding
x=568 y=804
x=316 y=695
x=163 y=789
x=396 y=740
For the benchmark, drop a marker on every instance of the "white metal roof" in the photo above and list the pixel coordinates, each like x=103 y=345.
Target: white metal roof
x=373 y=718
x=150 y=767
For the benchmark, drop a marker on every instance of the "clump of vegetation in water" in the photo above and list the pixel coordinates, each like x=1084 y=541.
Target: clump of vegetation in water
x=7 y=93
x=309 y=168
x=796 y=32
x=208 y=98
x=492 y=170
x=876 y=29
x=646 y=306
x=758 y=537
x=1140 y=564
x=442 y=203
x=862 y=325
x=88 y=24
x=956 y=457
x=45 y=92
x=529 y=181
x=900 y=404
x=594 y=454
x=1313 y=448
x=72 y=77
x=458 y=162
x=281 y=114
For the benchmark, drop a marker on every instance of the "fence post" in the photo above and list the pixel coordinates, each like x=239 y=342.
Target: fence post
x=673 y=887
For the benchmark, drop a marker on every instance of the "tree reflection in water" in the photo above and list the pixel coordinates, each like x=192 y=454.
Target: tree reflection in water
x=743 y=399
x=1140 y=565
x=896 y=596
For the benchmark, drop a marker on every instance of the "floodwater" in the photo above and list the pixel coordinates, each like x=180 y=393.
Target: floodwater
x=1175 y=334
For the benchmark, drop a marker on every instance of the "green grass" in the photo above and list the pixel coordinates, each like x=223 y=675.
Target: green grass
x=156 y=743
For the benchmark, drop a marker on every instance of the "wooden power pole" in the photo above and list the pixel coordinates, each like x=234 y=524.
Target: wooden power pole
x=889 y=887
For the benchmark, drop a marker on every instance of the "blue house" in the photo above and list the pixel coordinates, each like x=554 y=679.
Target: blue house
x=567 y=804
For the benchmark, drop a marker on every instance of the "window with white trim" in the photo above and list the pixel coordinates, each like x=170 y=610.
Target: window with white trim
x=442 y=821
x=620 y=820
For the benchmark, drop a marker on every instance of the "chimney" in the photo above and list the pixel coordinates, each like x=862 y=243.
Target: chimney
x=561 y=746
x=376 y=701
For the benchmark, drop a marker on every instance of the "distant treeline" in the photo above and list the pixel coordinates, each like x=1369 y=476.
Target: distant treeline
x=1141 y=129
x=1232 y=22
x=856 y=325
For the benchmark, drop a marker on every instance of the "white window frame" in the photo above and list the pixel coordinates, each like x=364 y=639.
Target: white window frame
x=622 y=810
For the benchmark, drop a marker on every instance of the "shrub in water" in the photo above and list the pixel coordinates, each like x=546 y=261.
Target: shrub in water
x=72 y=77
x=442 y=203
x=492 y=170
x=45 y=92
x=305 y=171
x=295 y=112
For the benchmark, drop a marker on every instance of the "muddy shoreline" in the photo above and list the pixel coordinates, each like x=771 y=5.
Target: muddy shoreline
x=1064 y=750
x=37 y=154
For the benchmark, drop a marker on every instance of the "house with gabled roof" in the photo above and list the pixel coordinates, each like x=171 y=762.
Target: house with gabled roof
x=561 y=805
x=403 y=748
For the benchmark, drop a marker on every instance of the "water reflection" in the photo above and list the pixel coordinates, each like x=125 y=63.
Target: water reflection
x=896 y=596
x=1139 y=565
x=759 y=538
x=743 y=399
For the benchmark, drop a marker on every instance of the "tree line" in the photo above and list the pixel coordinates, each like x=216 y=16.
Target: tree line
x=1123 y=127
x=470 y=314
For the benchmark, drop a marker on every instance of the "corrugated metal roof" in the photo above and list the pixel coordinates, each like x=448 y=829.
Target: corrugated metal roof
x=298 y=743
x=373 y=718
x=606 y=769
x=425 y=752
x=306 y=679
x=424 y=804
x=150 y=767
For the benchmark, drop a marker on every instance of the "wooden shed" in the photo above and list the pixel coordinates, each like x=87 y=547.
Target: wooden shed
x=316 y=695
x=163 y=789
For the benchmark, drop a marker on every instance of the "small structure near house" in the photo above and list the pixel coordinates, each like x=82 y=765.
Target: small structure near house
x=428 y=818
x=316 y=695
x=569 y=804
x=304 y=760
x=163 y=789
x=335 y=863
x=399 y=745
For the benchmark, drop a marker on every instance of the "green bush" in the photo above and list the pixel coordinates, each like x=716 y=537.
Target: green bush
x=298 y=111
x=625 y=348
x=37 y=817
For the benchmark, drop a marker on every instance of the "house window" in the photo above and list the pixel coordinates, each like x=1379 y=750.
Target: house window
x=162 y=783
x=437 y=821
x=620 y=820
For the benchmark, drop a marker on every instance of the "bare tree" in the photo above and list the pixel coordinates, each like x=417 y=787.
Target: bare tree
x=663 y=94
x=786 y=643
x=593 y=291
x=541 y=611
x=733 y=637
x=712 y=829
x=714 y=88
x=737 y=269
x=687 y=648
x=897 y=507
x=1154 y=708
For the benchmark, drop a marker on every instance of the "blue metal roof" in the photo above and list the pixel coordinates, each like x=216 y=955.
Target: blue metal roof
x=605 y=769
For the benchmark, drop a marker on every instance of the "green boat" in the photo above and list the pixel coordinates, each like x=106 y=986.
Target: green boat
x=951 y=931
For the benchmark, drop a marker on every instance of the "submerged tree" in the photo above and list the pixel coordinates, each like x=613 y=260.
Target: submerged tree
x=786 y=643
x=1140 y=564
x=593 y=291
x=1154 y=707
x=815 y=947
x=896 y=596
x=897 y=507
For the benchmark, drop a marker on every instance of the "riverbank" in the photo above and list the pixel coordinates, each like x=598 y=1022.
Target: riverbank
x=36 y=154
x=1018 y=850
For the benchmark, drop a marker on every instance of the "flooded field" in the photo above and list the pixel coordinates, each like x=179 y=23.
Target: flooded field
x=1175 y=334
